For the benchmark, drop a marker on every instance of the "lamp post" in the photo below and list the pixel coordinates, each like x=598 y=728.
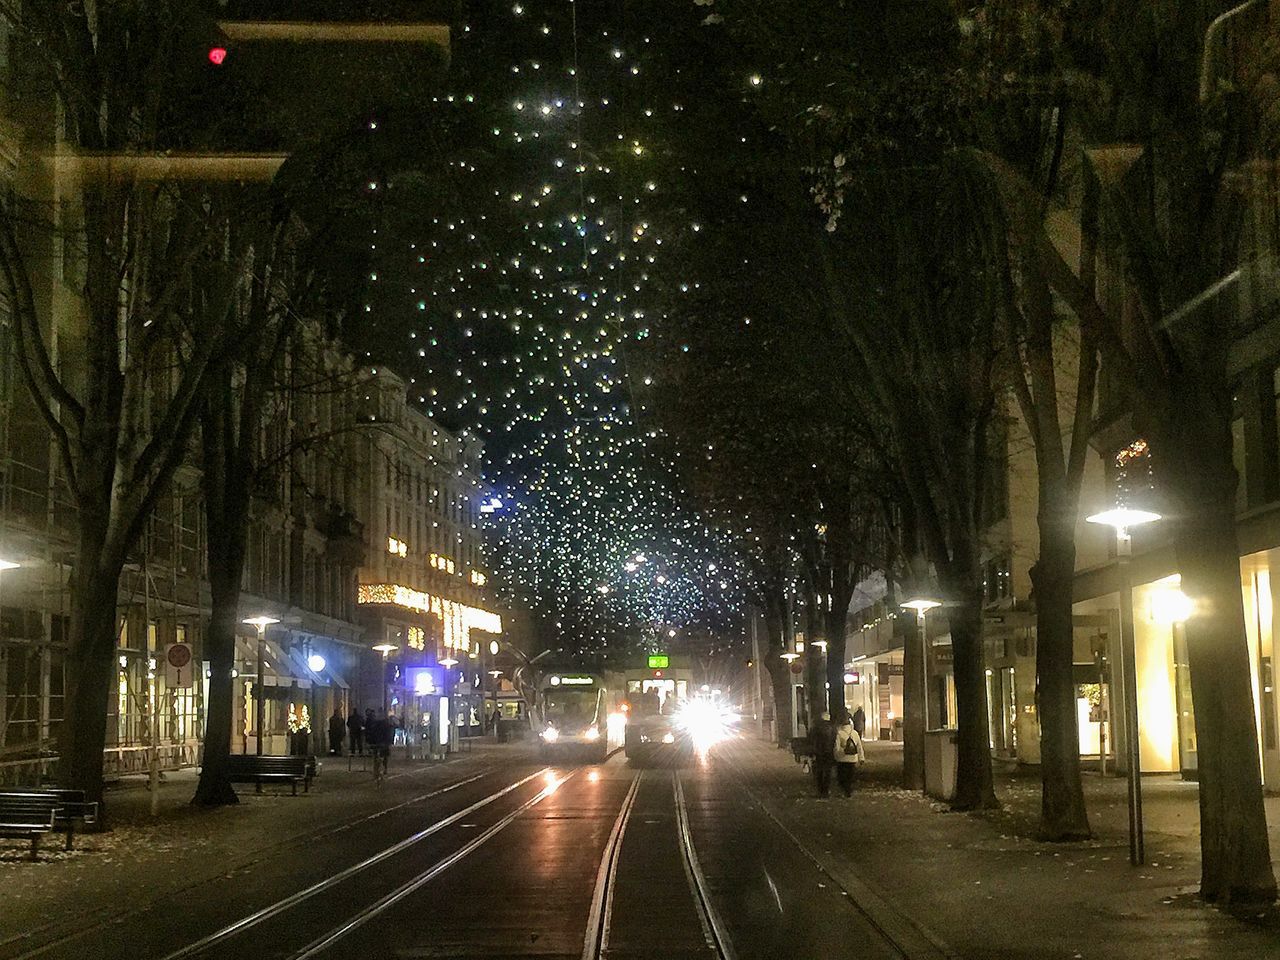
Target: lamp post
x=922 y=605
x=261 y=622
x=1121 y=519
x=791 y=658
x=449 y=661
x=385 y=649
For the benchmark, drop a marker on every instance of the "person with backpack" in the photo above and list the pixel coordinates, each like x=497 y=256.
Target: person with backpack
x=848 y=752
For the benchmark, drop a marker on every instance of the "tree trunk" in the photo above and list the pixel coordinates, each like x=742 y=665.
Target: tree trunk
x=1063 y=815
x=214 y=789
x=90 y=668
x=815 y=698
x=1235 y=865
x=974 y=786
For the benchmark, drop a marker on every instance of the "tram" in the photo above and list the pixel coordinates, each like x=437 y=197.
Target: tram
x=576 y=716
x=654 y=695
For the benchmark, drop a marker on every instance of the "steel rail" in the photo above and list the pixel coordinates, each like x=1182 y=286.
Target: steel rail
x=713 y=927
x=266 y=913
x=595 y=942
x=95 y=920
x=322 y=943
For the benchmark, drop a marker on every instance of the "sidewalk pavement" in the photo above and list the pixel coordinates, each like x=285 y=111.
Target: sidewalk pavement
x=142 y=856
x=982 y=886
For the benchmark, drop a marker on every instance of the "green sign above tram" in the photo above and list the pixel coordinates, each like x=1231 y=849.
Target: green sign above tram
x=659 y=661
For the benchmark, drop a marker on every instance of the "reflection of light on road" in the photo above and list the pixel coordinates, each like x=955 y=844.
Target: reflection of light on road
x=553 y=783
x=773 y=888
x=593 y=776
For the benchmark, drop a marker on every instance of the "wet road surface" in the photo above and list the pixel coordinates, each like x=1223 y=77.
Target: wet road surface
x=519 y=861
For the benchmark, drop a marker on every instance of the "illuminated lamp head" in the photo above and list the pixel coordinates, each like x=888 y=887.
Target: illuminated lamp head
x=217 y=55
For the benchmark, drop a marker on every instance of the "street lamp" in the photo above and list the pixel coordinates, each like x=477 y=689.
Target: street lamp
x=386 y=650
x=1121 y=519
x=922 y=605
x=261 y=623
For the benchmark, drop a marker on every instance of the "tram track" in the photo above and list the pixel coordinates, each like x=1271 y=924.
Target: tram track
x=598 y=939
x=258 y=917
x=712 y=925
x=94 y=921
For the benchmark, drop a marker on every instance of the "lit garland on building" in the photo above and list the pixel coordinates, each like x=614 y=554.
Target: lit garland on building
x=458 y=619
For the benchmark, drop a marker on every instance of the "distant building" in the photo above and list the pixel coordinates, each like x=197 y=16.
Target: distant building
x=424 y=594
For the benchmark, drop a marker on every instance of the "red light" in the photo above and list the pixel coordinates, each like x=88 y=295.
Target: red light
x=657 y=674
x=217 y=55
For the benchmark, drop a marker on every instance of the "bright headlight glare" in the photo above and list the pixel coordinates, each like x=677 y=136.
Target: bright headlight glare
x=593 y=733
x=551 y=734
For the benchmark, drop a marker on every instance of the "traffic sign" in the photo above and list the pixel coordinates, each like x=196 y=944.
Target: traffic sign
x=179 y=666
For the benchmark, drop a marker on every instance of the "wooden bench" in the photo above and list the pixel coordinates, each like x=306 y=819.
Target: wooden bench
x=28 y=816
x=251 y=768
x=72 y=807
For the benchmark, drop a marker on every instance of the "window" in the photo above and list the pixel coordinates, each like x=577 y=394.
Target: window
x=996 y=579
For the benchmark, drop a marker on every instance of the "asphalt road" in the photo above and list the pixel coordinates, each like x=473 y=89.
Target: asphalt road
x=521 y=861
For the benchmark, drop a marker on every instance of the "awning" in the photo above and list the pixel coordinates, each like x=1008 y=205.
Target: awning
x=278 y=668
x=335 y=678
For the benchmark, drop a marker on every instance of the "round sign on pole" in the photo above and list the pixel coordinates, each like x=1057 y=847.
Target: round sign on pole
x=179 y=671
x=797 y=666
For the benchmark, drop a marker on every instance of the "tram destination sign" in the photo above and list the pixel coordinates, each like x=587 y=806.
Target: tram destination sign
x=659 y=661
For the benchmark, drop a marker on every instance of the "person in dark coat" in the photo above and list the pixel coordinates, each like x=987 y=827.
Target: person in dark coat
x=860 y=722
x=355 y=726
x=337 y=732
x=823 y=746
x=379 y=732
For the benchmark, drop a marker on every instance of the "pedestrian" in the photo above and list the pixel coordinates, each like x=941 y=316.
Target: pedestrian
x=848 y=752
x=822 y=744
x=860 y=722
x=378 y=731
x=355 y=726
x=337 y=732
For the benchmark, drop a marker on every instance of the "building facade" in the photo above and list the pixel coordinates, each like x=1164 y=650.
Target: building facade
x=424 y=594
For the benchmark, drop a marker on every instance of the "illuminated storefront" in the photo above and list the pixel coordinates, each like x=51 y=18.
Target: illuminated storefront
x=457 y=619
x=1166 y=712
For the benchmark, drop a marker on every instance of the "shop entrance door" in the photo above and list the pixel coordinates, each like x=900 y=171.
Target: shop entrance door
x=1187 y=753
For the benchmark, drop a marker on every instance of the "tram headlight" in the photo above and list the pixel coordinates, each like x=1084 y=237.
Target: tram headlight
x=592 y=733
x=551 y=734
x=668 y=737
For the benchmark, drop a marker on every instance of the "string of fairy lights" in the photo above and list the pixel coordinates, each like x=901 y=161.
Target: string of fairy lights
x=509 y=298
